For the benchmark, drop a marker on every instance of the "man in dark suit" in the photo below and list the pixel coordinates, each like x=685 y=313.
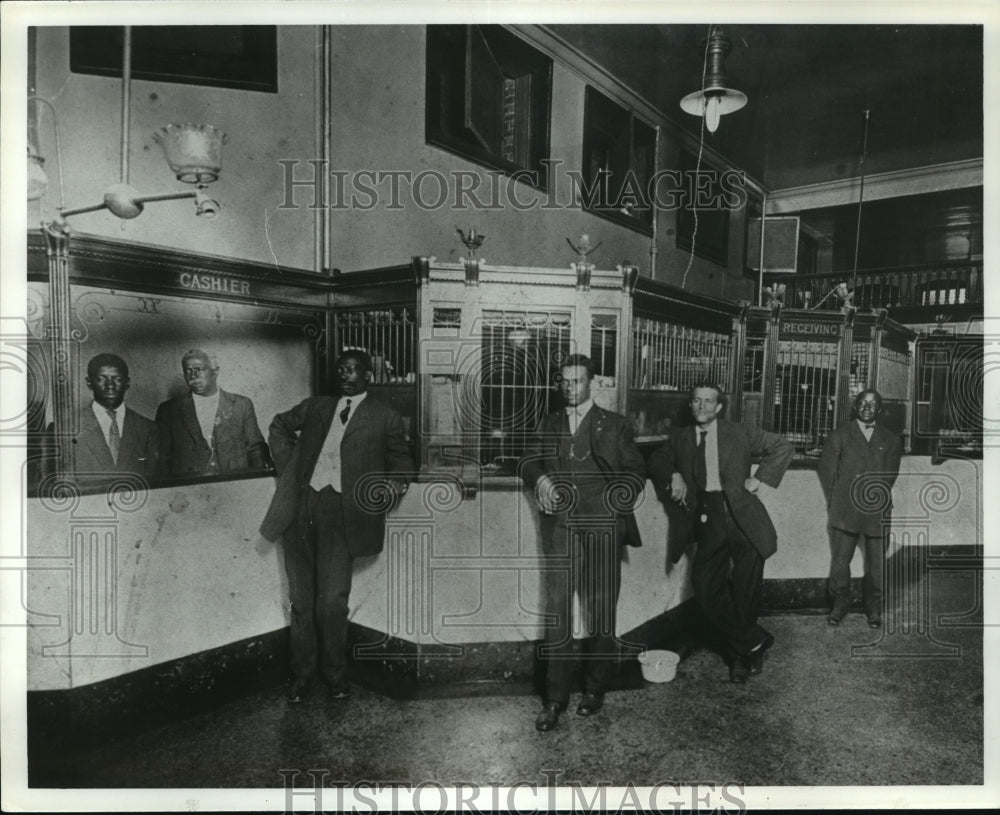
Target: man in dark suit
x=857 y=468
x=113 y=438
x=208 y=430
x=586 y=473
x=706 y=469
x=332 y=455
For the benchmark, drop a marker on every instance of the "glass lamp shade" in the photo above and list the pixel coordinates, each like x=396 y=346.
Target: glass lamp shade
x=713 y=103
x=38 y=182
x=194 y=152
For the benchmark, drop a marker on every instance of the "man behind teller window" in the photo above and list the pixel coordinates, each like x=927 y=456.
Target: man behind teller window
x=209 y=430
x=113 y=438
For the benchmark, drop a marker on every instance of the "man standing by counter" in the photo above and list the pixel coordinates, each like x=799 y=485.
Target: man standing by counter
x=587 y=452
x=328 y=451
x=858 y=465
x=706 y=469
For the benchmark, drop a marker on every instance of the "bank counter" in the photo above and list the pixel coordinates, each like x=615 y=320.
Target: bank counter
x=161 y=586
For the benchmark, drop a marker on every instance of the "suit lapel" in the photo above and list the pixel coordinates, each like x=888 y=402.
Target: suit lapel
x=596 y=418
x=880 y=438
x=595 y=425
x=224 y=412
x=127 y=450
x=858 y=433
x=93 y=437
x=361 y=416
x=190 y=419
x=314 y=435
x=685 y=449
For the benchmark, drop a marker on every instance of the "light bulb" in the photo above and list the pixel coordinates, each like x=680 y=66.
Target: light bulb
x=205 y=207
x=712 y=112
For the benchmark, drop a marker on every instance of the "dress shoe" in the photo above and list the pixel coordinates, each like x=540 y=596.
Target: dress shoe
x=590 y=703
x=299 y=690
x=836 y=616
x=338 y=691
x=874 y=620
x=549 y=715
x=739 y=670
x=757 y=655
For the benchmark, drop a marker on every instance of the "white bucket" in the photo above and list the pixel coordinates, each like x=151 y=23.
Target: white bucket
x=659 y=666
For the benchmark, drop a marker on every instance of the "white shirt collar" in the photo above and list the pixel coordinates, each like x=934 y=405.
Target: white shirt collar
x=101 y=412
x=207 y=399
x=356 y=399
x=581 y=409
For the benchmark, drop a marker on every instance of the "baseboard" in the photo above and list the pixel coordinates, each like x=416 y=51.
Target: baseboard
x=106 y=711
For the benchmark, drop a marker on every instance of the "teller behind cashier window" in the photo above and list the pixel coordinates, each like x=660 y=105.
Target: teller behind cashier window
x=209 y=430
x=113 y=438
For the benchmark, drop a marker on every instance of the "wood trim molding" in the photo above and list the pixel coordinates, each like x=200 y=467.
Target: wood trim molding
x=135 y=266
x=952 y=175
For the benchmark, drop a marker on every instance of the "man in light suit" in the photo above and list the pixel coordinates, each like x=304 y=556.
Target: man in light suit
x=113 y=438
x=857 y=468
x=341 y=463
x=706 y=469
x=586 y=473
x=208 y=430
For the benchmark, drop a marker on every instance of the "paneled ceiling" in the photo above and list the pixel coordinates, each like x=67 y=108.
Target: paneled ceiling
x=808 y=88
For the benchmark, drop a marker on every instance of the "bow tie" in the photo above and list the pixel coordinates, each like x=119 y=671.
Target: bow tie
x=869 y=426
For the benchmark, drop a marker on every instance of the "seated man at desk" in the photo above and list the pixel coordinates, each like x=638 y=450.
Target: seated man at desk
x=113 y=438
x=208 y=430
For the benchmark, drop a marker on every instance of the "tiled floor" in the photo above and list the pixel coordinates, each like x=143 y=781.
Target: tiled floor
x=908 y=710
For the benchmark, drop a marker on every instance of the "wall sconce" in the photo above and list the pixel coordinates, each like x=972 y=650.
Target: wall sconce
x=38 y=182
x=194 y=153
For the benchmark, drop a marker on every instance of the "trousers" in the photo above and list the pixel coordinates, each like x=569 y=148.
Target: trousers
x=586 y=561
x=843 y=544
x=727 y=575
x=319 y=569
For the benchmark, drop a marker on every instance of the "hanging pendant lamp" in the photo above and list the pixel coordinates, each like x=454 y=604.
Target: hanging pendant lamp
x=716 y=98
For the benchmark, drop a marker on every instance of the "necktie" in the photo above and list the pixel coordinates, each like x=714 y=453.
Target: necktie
x=700 y=464
x=565 y=437
x=346 y=412
x=114 y=436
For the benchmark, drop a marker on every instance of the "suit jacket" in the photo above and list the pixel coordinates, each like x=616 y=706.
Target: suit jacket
x=614 y=451
x=846 y=457
x=237 y=440
x=739 y=444
x=374 y=445
x=138 y=452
